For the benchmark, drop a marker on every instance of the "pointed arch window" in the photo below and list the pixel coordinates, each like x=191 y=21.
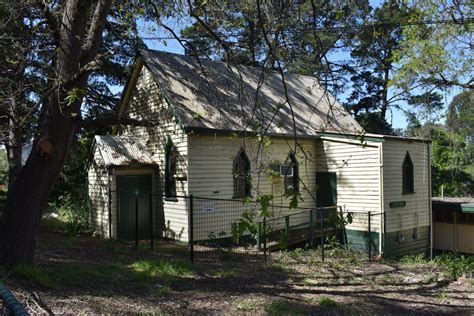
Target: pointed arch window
x=241 y=173
x=170 y=169
x=292 y=177
x=408 y=175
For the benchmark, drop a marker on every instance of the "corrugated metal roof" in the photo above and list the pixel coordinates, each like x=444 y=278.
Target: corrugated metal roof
x=216 y=97
x=122 y=150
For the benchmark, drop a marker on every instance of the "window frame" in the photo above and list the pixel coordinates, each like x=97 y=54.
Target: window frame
x=236 y=176
x=170 y=171
x=408 y=175
x=294 y=180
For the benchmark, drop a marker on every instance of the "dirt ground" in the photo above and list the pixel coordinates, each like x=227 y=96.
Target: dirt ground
x=84 y=274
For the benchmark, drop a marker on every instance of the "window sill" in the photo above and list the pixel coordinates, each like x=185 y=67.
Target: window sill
x=171 y=199
x=409 y=192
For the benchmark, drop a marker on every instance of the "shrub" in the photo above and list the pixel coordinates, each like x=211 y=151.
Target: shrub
x=74 y=213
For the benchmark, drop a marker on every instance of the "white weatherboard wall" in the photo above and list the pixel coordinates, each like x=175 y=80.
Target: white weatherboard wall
x=97 y=187
x=148 y=103
x=357 y=165
x=211 y=175
x=394 y=152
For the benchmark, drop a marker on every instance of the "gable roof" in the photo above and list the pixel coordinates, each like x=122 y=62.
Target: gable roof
x=222 y=98
x=122 y=151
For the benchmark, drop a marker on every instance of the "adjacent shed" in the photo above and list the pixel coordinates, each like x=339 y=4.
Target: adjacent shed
x=118 y=167
x=453 y=224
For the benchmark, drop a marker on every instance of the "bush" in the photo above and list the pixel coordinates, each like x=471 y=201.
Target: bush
x=74 y=213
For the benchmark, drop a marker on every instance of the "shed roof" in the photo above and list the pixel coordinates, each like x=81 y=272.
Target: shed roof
x=218 y=97
x=122 y=150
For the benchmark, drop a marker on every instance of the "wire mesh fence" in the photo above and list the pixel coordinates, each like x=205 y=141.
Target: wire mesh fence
x=231 y=229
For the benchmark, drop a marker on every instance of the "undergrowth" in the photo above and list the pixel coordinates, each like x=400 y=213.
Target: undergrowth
x=454 y=265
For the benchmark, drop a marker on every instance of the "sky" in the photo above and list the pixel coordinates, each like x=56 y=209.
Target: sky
x=394 y=116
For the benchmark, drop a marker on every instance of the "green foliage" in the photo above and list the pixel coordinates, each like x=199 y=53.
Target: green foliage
x=169 y=271
x=454 y=265
x=327 y=302
x=436 y=54
x=74 y=213
x=32 y=273
x=249 y=219
x=3 y=167
x=279 y=307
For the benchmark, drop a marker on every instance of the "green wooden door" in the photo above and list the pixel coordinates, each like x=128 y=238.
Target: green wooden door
x=126 y=188
x=326 y=194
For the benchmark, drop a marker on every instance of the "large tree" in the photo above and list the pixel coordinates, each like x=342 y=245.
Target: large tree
x=74 y=32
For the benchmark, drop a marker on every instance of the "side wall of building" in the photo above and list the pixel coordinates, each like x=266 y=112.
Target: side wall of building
x=407 y=226
x=97 y=187
x=211 y=176
x=148 y=103
x=357 y=167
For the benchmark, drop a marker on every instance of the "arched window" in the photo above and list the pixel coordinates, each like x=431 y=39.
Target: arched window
x=241 y=173
x=408 y=175
x=170 y=169
x=292 y=177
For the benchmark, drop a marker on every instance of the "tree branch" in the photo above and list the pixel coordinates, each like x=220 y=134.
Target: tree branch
x=108 y=120
x=51 y=19
x=94 y=34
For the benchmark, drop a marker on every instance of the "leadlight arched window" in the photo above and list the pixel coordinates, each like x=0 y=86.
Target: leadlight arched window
x=408 y=175
x=170 y=169
x=292 y=177
x=241 y=173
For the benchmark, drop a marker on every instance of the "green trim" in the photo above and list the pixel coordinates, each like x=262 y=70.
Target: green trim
x=360 y=137
x=467 y=208
x=359 y=240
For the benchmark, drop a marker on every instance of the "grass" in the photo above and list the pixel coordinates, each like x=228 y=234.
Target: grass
x=280 y=307
x=34 y=274
x=327 y=302
x=454 y=265
x=225 y=273
x=247 y=305
x=170 y=271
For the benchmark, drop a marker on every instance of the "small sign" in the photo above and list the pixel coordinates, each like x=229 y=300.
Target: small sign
x=208 y=207
x=397 y=204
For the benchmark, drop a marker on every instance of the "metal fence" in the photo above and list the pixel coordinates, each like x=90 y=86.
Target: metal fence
x=229 y=229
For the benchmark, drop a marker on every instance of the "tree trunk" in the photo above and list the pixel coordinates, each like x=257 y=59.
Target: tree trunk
x=383 y=110
x=28 y=196
x=60 y=118
x=14 y=144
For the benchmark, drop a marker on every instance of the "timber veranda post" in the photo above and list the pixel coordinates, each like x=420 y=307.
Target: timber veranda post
x=110 y=212
x=191 y=228
x=150 y=203
x=136 y=218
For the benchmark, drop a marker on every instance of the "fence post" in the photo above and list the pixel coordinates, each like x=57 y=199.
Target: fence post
x=259 y=236
x=110 y=212
x=322 y=234
x=311 y=228
x=136 y=218
x=370 y=241
x=151 y=221
x=191 y=227
x=265 y=238
x=287 y=230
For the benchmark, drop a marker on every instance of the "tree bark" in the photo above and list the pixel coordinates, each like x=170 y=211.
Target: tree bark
x=14 y=144
x=60 y=118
